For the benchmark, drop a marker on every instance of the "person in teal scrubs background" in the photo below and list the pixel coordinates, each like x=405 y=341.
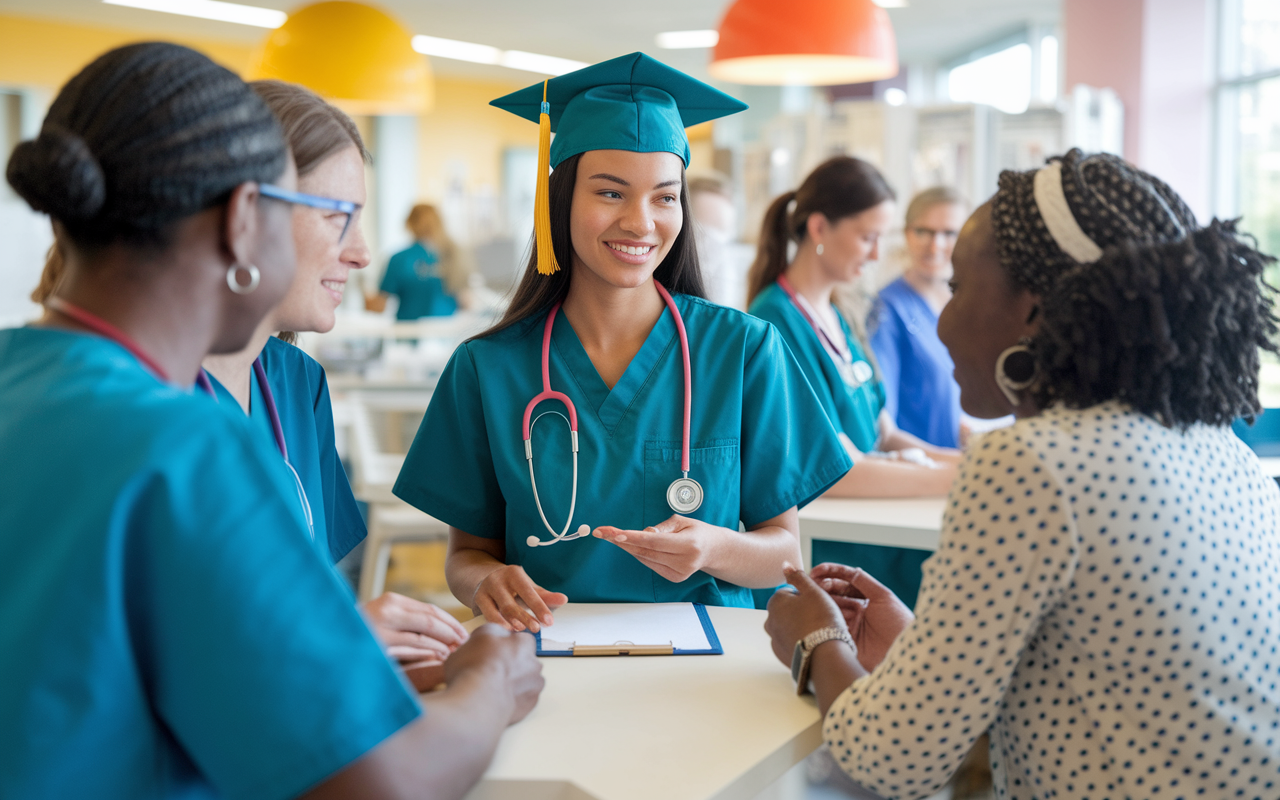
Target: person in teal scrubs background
x=840 y=212
x=330 y=157
x=428 y=276
x=169 y=629
x=615 y=221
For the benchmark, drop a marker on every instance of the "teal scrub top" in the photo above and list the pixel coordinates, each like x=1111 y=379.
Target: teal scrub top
x=855 y=411
x=301 y=392
x=413 y=275
x=760 y=445
x=168 y=629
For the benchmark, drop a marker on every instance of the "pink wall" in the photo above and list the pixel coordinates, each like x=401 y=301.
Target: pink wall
x=1156 y=55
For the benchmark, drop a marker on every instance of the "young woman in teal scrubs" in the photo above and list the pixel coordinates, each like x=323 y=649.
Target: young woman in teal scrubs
x=169 y=629
x=602 y=526
x=840 y=212
x=331 y=158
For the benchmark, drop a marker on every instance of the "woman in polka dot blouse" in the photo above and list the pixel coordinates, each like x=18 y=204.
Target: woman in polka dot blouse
x=1105 y=598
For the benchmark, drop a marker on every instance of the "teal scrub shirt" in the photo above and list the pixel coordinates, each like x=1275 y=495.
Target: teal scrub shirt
x=760 y=445
x=854 y=411
x=168 y=629
x=413 y=275
x=301 y=392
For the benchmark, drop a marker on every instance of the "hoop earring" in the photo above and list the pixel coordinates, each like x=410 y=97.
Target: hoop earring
x=819 y=248
x=254 y=278
x=1016 y=369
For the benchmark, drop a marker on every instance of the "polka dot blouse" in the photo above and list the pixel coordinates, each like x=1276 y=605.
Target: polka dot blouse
x=1105 y=599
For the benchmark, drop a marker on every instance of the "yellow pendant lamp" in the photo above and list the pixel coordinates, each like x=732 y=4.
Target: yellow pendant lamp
x=805 y=43
x=354 y=55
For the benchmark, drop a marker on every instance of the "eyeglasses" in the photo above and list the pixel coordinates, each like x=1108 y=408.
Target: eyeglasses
x=312 y=201
x=930 y=233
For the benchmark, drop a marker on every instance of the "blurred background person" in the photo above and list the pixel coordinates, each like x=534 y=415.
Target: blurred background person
x=920 y=394
x=430 y=277
x=723 y=259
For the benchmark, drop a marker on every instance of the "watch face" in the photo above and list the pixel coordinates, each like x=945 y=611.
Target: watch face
x=797 y=661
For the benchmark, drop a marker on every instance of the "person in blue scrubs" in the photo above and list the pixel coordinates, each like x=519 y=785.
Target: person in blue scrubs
x=921 y=395
x=330 y=157
x=612 y=227
x=169 y=629
x=836 y=219
x=428 y=276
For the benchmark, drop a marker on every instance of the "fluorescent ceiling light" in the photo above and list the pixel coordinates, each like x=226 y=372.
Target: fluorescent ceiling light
x=461 y=51
x=687 y=40
x=891 y=3
x=485 y=54
x=211 y=9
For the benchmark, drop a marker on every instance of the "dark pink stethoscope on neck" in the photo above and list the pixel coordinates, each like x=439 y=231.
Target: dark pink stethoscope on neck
x=100 y=326
x=684 y=495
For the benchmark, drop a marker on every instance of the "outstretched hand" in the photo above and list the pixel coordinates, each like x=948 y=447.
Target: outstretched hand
x=873 y=613
x=674 y=548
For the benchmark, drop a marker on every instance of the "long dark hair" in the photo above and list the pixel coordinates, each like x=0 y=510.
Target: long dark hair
x=837 y=188
x=679 y=271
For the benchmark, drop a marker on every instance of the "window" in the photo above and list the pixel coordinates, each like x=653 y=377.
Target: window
x=1009 y=74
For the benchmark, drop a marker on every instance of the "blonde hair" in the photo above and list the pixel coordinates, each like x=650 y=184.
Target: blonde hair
x=426 y=225
x=933 y=196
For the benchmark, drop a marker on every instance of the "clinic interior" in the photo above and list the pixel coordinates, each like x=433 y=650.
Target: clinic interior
x=939 y=97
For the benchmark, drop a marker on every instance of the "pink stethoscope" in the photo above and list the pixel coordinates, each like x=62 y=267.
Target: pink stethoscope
x=854 y=373
x=100 y=326
x=684 y=495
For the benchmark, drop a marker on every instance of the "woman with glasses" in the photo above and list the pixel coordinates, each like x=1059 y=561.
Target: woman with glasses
x=284 y=391
x=920 y=394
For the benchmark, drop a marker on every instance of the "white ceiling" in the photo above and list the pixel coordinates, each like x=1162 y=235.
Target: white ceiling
x=587 y=30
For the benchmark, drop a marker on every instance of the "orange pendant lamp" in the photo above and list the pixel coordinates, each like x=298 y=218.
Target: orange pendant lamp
x=805 y=43
x=354 y=55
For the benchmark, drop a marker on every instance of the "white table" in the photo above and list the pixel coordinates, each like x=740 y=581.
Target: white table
x=659 y=727
x=911 y=522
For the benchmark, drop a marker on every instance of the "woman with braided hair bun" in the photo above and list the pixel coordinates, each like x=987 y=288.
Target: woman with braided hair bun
x=1109 y=565
x=169 y=629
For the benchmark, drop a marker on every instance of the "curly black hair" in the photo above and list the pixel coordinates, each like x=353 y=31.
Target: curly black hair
x=1169 y=319
x=1173 y=329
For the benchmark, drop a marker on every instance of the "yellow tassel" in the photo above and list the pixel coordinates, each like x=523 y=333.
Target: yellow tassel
x=547 y=264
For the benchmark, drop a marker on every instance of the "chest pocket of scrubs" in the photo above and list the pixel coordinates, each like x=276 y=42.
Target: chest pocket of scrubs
x=717 y=466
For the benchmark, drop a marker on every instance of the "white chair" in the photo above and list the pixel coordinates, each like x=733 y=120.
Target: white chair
x=390 y=519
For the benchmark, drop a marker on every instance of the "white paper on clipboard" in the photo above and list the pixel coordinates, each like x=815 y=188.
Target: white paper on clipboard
x=602 y=624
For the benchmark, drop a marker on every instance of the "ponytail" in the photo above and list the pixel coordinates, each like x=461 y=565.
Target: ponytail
x=771 y=253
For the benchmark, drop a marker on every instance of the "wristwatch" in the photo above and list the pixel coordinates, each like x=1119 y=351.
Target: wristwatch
x=801 y=656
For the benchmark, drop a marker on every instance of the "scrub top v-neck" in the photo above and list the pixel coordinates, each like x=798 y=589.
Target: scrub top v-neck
x=760 y=445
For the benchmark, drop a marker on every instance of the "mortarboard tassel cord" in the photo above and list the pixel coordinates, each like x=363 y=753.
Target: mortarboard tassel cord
x=547 y=263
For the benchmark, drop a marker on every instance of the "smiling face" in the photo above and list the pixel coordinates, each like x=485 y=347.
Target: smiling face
x=987 y=314
x=626 y=215
x=324 y=262
x=850 y=242
x=931 y=238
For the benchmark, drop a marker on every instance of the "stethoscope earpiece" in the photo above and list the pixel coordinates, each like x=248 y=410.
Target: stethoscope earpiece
x=533 y=541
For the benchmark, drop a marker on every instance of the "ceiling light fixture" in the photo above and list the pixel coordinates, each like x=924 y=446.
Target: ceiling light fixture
x=891 y=3
x=485 y=54
x=210 y=9
x=687 y=40
x=816 y=43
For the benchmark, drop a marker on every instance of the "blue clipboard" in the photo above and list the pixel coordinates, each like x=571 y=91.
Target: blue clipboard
x=628 y=648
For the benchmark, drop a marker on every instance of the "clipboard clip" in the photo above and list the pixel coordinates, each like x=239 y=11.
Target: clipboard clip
x=623 y=648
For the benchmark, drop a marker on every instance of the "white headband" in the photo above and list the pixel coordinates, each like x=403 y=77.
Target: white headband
x=1057 y=216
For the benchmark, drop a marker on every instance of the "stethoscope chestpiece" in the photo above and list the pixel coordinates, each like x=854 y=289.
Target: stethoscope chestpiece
x=684 y=495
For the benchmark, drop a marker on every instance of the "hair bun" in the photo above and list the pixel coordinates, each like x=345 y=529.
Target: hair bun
x=57 y=174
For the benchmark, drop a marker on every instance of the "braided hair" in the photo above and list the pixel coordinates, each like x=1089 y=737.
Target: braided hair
x=144 y=136
x=1137 y=302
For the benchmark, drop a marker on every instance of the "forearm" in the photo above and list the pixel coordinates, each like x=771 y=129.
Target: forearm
x=754 y=559
x=898 y=439
x=877 y=477
x=464 y=570
x=833 y=668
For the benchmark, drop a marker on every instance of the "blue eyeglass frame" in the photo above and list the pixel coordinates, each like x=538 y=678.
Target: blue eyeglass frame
x=313 y=201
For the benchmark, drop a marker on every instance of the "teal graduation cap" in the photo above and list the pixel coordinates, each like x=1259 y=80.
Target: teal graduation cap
x=632 y=102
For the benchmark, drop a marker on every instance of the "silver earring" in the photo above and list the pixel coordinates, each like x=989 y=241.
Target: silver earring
x=819 y=248
x=254 y=277
x=1016 y=369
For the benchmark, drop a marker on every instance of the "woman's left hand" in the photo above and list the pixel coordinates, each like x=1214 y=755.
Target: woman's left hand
x=675 y=548
x=794 y=615
x=413 y=631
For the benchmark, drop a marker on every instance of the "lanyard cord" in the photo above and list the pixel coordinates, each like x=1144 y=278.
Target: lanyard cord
x=103 y=328
x=819 y=330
